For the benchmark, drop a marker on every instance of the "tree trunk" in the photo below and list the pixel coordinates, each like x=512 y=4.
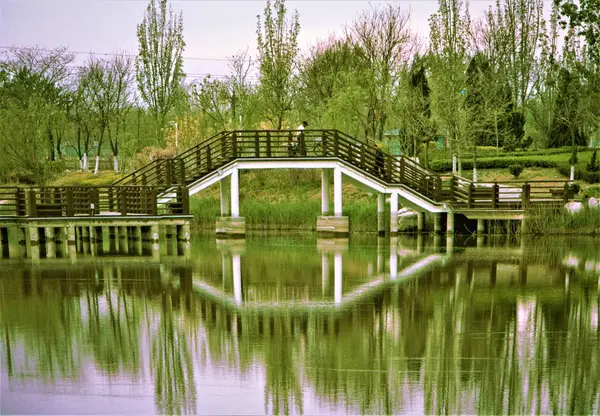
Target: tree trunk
x=116 y=163
x=97 y=167
x=51 y=144
x=85 y=162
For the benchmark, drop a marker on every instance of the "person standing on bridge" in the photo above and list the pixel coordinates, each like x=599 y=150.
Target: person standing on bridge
x=379 y=170
x=299 y=137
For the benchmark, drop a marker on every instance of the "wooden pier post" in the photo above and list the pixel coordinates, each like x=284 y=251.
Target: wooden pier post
x=34 y=242
x=85 y=239
x=450 y=222
x=123 y=243
x=437 y=223
x=155 y=241
x=112 y=240
x=420 y=222
x=50 y=242
x=12 y=240
x=480 y=226
x=136 y=239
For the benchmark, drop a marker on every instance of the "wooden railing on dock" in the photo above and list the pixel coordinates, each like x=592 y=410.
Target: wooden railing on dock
x=71 y=201
x=218 y=150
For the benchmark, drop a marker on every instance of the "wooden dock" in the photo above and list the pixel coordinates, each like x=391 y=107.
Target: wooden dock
x=68 y=219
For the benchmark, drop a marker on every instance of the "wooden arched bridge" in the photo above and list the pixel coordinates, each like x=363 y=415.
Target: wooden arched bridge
x=161 y=189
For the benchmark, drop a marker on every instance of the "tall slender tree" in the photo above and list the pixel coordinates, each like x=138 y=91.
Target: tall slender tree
x=159 y=64
x=277 y=38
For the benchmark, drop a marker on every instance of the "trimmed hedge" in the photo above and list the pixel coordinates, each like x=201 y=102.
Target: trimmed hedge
x=495 y=163
x=580 y=174
x=485 y=154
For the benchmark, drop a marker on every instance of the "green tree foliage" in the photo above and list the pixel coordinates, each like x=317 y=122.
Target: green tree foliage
x=384 y=38
x=159 y=65
x=278 y=61
x=33 y=98
x=324 y=81
x=449 y=44
x=416 y=109
x=584 y=17
x=566 y=122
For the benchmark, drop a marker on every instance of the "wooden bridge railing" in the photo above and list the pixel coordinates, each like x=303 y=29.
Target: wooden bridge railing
x=220 y=149
x=70 y=201
x=510 y=194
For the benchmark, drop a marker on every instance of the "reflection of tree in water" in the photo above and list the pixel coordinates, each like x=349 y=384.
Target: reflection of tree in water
x=113 y=327
x=46 y=326
x=172 y=364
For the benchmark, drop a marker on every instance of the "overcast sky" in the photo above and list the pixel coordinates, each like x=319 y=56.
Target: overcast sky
x=213 y=30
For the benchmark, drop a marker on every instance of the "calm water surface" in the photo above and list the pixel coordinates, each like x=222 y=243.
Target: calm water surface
x=295 y=325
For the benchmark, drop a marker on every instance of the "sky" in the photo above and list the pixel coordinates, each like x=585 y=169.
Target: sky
x=213 y=30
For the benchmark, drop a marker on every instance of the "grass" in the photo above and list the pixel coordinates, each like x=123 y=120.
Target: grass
x=87 y=178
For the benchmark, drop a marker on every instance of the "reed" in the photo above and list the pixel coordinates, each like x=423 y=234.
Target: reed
x=541 y=221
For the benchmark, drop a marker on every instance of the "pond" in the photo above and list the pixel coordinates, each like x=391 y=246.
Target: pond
x=288 y=323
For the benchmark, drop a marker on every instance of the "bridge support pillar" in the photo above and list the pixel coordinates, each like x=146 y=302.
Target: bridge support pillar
x=437 y=223
x=420 y=221
x=450 y=223
x=394 y=214
x=337 y=191
x=333 y=226
x=231 y=227
x=235 y=193
x=480 y=226
x=381 y=214
x=225 y=187
x=50 y=242
x=325 y=189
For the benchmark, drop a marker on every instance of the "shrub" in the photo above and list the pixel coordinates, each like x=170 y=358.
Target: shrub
x=593 y=166
x=592 y=191
x=515 y=170
x=575 y=188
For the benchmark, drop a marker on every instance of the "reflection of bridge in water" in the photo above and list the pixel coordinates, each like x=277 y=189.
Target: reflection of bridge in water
x=463 y=337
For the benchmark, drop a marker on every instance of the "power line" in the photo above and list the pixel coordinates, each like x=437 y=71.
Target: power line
x=25 y=48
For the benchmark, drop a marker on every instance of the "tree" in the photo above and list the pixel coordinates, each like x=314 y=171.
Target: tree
x=383 y=35
x=567 y=116
x=120 y=69
x=159 y=65
x=34 y=99
x=449 y=43
x=416 y=108
x=277 y=61
x=583 y=17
